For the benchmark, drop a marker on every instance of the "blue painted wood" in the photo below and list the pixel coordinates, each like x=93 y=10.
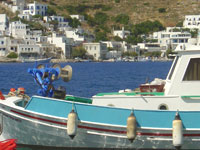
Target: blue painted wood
x=113 y=116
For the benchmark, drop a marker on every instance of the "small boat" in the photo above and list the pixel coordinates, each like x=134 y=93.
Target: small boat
x=43 y=60
x=162 y=114
x=9 y=144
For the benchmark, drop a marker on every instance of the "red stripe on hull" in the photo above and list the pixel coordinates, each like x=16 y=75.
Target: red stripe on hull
x=101 y=129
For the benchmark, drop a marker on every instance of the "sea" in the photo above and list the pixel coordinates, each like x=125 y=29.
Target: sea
x=88 y=78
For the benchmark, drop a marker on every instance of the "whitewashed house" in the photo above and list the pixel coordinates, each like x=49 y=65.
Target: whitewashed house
x=62 y=22
x=76 y=34
x=29 y=50
x=150 y=47
x=121 y=33
x=4 y=24
x=13 y=44
x=3 y=46
x=36 y=8
x=63 y=42
x=25 y=16
x=169 y=39
x=97 y=50
x=192 y=22
x=18 y=29
x=79 y=17
x=18 y=5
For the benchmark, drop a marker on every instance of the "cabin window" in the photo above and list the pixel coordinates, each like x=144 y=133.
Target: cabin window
x=193 y=70
x=173 y=68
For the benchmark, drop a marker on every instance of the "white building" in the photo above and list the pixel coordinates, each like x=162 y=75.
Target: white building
x=29 y=50
x=62 y=22
x=150 y=47
x=121 y=33
x=169 y=39
x=75 y=34
x=192 y=21
x=18 y=5
x=79 y=17
x=4 y=23
x=36 y=9
x=97 y=50
x=18 y=29
x=63 y=42
x=25 y=16
x=3 y=46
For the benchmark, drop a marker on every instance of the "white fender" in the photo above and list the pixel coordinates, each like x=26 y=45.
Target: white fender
x=72 y=124
x=177 y=132
x=131 y=127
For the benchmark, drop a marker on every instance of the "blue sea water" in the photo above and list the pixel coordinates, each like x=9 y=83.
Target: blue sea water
x=89 y=78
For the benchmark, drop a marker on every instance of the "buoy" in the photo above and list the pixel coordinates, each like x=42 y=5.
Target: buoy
x=1 y=96
x=72 y=124
x=21 y=90
x=12 y=92
x=131 y=127
x=177 y=132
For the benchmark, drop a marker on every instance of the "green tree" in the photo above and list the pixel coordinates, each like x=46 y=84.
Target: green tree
x=51 y=11
x=122 y=18
x=162 y=10
x=74 y=23
x=79 y=52
x=117 y=38
x=100 y=18
x=101 y=36
x=12 y=55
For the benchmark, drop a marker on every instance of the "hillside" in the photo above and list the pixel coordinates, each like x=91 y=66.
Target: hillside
x=168 y=12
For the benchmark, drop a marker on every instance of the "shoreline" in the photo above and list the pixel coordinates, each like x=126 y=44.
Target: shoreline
x=12 y=60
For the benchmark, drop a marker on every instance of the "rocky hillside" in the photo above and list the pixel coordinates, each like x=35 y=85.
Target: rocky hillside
x=168 y=12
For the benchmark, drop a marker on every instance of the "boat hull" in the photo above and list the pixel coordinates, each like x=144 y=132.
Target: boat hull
x=39 y=130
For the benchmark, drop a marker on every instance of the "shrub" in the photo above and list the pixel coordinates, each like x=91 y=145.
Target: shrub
x=79 y=52
x=122 y=18
x=162 y=10
x=51 y=11
x=117 y=1
x=100 y=18
x=12 y=55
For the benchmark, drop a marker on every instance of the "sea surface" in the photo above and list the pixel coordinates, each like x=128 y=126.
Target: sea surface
x=88 y=79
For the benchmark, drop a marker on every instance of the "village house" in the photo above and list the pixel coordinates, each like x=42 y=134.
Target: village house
x=192 y=22
x=121 y=33
x=62 y=22
x=18 y=29
x=29 y=50
x=76 y=34
x=3 y=45
x=4 y=24
x=79 y=17
x=170 y=39
x=63 y=42
x=36 y=8
x=97 y=50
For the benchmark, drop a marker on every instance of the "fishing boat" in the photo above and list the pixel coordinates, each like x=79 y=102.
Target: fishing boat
x=163 y=114
x=42 y=60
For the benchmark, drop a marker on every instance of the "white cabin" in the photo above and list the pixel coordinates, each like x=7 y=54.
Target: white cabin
x=180 y=90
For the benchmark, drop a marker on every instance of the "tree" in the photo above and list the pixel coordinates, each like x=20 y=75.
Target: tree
x=74 y=23
x=122 y=18
x=79 y=52
x=100 y=18
x=101 y=36
x=162 y=10
x=12 y=55
x=51 y=11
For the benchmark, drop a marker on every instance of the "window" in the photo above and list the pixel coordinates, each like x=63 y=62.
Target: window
x=173 y=68
x=193 y=70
